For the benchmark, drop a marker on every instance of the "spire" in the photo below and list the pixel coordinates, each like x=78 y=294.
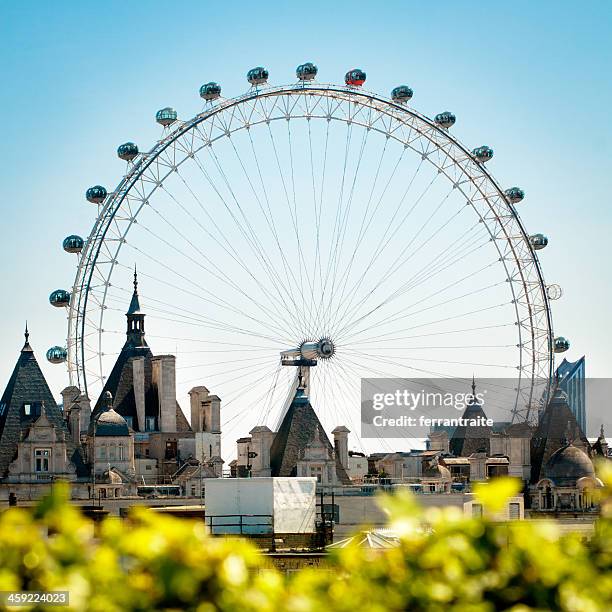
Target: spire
x=135 y=303
x=26 y=346
x=473 y=386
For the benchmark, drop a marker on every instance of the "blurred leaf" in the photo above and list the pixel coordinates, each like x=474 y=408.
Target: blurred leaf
x=495 y=493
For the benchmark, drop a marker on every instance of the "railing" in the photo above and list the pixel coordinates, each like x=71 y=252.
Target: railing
x=240 y=524
x=392 y=484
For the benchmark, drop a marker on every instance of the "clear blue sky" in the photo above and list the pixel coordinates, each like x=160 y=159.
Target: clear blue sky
x=532 y=79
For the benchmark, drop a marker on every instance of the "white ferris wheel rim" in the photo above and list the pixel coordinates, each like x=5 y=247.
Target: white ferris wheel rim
x=313 y=101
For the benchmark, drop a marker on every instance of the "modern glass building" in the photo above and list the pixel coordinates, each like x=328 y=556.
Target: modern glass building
x=571 y=377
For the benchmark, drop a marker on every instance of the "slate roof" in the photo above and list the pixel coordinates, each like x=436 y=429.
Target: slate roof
x=557 y=426
x=298 y=428
x=467 y=440
x=120 y=383
x=27 y=385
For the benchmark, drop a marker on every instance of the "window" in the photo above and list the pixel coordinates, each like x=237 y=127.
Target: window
x=41 y=459
x=476 y=510
x=193 y=490
x=31 y=409
x=149 y=423
x=514 y=511
x=130 y=421
x=317 y=472
x=171 y=449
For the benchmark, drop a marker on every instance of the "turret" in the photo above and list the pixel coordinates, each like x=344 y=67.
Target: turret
x=135 y=318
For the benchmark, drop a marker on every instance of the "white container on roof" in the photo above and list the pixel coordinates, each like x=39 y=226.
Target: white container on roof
x=261 y=505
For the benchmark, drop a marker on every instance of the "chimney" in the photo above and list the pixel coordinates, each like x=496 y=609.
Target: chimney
x=69 y=396
x=214 y=414
x=438 y=441
x=260 y=445
x=198 y=397
x=341 y=444
x=164 y=378
x=138 y=375
x=85 y=406
x=75 y=422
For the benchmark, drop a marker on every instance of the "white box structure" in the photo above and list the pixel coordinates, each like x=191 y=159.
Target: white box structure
x=260 y=505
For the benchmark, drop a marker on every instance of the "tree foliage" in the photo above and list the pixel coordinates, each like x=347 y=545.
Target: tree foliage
x=156 y=562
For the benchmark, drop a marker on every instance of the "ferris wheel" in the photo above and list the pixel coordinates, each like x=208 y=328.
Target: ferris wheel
x=317 y=220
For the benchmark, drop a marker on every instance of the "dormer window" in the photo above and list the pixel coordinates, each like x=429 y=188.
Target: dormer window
x=31 y=410
x=150 y=423
x=42 y=457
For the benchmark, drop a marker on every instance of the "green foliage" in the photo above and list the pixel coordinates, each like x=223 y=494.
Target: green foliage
x=156 y=562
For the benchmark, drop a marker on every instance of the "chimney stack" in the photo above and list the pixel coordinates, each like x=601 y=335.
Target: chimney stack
x=341 y=444
x=138 y=375
x=164 y=378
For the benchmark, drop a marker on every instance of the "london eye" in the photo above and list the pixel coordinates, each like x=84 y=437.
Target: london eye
x=319 y=222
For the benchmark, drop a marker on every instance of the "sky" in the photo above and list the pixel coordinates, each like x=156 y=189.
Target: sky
x=532 y=80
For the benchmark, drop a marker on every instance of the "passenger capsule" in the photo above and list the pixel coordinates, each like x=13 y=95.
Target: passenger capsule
x=210 y=91
x=257 y=76
x=538 y=241
x=57 y=354
x=554 y=292
x=166 y=116
x=561 y=344
x=96 y=194
x=483 y=154
x=355 y=77
x=401 y=94
x=306 y=72
x=446 y=120
x=73 y=244
x=514 y=195
x=59 y=298
x=127 y=151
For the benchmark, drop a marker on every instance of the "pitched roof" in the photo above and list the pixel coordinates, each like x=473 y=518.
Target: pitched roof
x=296 y=432
x=557 y=426
x=27 y=385
x=120 y=383
x=468 y=439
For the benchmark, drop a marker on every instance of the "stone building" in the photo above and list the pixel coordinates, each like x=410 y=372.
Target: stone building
x=37 y=446
x=110 y=448
x=136 y=433
x=143 y=386
x=299 y=447
x=562 y=473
